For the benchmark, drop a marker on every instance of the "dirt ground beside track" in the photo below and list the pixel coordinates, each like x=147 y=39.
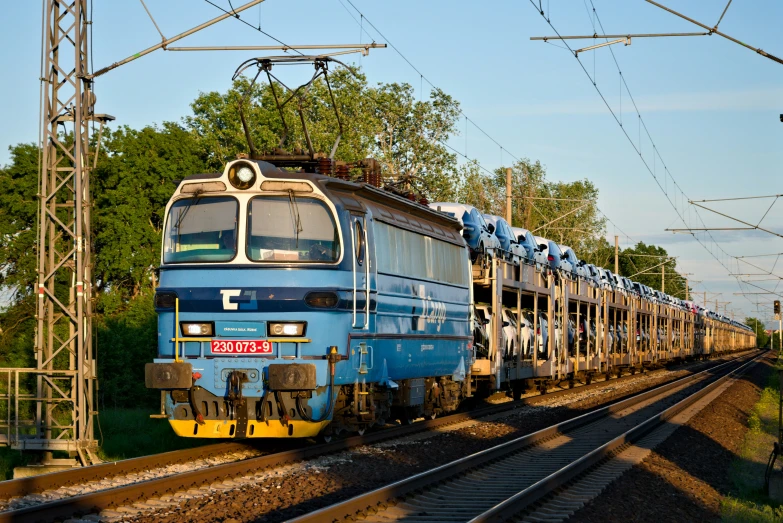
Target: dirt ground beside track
x=686 y=477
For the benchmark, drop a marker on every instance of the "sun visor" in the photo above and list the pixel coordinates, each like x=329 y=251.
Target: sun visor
x=276 y=218
x=206 y=216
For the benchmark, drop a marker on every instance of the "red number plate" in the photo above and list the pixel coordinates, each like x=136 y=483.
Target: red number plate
x=241 y=347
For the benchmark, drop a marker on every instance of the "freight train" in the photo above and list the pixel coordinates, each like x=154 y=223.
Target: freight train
x=299 y=304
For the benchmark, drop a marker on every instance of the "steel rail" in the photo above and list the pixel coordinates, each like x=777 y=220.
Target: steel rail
x=526 y=497
x=379 y=499
x=54 y=480
x=33 y=484
x=128 y=494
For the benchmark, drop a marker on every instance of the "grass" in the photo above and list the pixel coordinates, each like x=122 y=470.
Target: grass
x=9 y=459
x=129 y=433
x=124 y=433
x=749 y=502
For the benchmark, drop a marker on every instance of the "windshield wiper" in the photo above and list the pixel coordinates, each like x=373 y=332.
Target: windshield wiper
x=182 y=214
x=193 y=201
x=294 y=208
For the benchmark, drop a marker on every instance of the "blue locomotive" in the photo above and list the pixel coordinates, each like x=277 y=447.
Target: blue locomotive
x=294 y=304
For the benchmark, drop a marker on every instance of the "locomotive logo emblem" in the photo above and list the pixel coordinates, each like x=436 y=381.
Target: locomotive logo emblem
x=244 y=300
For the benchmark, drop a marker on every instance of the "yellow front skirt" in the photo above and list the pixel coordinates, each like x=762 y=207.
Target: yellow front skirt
x=255 y=429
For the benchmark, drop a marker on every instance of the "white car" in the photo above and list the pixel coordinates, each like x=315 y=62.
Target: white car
x=526 y=239
x=568 y=260
x=510 y=332
x=607 y=283
x=484 y=310
x=514 y=252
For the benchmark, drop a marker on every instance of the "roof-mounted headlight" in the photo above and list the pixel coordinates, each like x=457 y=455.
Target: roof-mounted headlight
x=242 y=175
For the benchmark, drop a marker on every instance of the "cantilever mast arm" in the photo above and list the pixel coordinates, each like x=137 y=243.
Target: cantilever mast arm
x=167 y=41
x=715 y=31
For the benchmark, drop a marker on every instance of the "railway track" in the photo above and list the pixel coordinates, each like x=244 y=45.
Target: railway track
x=215 y=475
x=498 y=483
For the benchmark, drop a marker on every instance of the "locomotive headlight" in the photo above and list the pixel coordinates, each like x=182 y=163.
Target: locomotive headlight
x=242 y=175
x=197 y=329
x=245 y=174
x=286 y=329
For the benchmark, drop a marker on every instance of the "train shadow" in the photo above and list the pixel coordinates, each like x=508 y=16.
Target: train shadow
x=684 y=479
x=687 y=476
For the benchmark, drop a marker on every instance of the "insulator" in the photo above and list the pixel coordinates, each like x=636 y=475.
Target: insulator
x=371 y=172
x=371 y=176
x=326 y=166
x=343 y=171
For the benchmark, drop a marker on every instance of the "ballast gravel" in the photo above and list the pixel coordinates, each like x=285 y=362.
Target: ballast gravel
x=292 y=490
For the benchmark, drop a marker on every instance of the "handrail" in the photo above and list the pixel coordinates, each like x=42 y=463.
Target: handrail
x=353 y=260
x=367 y=279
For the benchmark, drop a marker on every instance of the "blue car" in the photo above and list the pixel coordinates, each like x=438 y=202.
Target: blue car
x=477 y=232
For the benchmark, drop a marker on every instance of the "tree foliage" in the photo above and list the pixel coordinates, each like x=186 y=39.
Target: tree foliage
x=646 y=263
x=762 y=338
x=385 y=122
x=564 y=212
x=136 y=176
x=18 y=222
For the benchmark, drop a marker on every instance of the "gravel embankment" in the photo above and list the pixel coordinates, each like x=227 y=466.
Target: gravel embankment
x=686 y=477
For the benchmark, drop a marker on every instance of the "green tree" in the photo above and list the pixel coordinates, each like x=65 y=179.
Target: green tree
x=125 y=341
x=474 y=188
x=645 y=263
x=217 y=124
x=411 y=136
x=564 y=212
x=18 y=221
x=762 y=338
x=135 y=178
x=18 y=264
x=385 y=122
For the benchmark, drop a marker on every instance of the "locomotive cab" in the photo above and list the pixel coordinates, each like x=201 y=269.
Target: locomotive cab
x=289 y=301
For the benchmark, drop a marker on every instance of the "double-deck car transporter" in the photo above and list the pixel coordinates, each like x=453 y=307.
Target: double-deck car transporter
x=594 y=330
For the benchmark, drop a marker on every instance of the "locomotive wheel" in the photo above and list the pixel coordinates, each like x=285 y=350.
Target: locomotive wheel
x=406 y=417
x=326 y=436
x=516 y=391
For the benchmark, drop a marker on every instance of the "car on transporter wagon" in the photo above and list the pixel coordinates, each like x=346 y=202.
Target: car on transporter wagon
x=514 y=252
x=478 y=235
x=548 y=253
x=569 y=261
x=527 y=240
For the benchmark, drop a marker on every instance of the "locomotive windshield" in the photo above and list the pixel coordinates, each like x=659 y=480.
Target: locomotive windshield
x=201 y=230
x=291 y=229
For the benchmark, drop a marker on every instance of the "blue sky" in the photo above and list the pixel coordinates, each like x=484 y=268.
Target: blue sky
x=711 y=106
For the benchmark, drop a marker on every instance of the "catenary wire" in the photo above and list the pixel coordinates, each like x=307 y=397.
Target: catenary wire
x=630 y=140
x=236 y=15
x=421 y=75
